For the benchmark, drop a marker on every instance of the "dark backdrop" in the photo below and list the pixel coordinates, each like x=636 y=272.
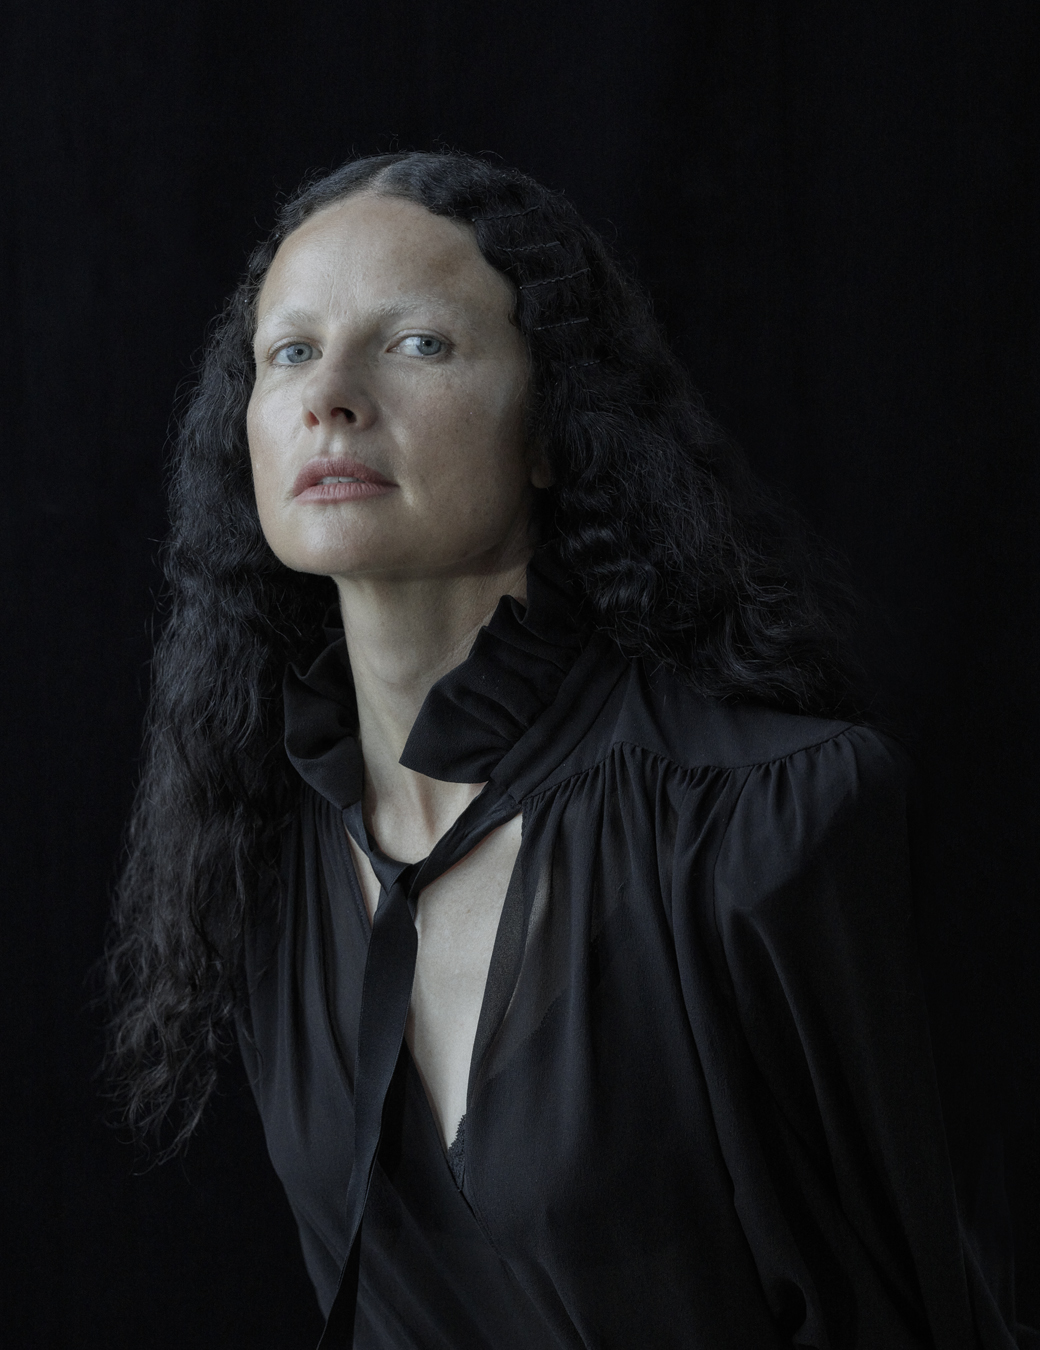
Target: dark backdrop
x=835 y=208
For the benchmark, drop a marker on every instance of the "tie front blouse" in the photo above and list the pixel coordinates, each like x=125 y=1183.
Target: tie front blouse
x=702 y=1110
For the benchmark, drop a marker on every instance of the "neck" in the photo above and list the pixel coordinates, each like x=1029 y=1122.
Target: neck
x=402 y=636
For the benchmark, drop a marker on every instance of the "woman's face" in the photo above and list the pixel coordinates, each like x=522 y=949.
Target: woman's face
x=386 y=427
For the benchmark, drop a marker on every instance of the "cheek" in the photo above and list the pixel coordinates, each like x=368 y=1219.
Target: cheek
x=261 y=437
x=478 y=445
x=263 y=462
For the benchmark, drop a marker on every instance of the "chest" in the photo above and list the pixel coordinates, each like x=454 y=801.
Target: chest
x=457 y=919
x=551 y=1011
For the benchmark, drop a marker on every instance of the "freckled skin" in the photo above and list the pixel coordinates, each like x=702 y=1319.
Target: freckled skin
x=354 y=282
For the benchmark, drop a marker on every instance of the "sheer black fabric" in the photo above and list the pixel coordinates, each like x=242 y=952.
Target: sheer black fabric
x=702 y=1110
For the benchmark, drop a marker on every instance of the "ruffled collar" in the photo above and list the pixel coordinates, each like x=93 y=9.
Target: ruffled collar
x=470 y=719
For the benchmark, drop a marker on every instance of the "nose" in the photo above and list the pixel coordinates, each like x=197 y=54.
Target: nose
x=335 y=396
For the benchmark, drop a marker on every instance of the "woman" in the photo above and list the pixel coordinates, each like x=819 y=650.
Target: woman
x=563 y=922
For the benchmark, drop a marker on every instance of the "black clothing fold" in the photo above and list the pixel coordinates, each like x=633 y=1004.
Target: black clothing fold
x=386 y=991
x=702 y=1110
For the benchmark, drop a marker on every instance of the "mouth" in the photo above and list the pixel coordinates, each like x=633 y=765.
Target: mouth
x=336 y=480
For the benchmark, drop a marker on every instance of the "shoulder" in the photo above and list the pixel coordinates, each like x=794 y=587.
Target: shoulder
x=661 y=714
x=792 y=789
x=730 y=750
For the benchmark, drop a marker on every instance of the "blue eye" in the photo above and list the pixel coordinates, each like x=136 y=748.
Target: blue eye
x=421 y=344
x=295 y=354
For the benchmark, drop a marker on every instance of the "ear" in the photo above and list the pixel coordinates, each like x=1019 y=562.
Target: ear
x=541 y=474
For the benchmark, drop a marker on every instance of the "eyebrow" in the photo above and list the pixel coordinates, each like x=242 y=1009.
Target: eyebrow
x=304 y=317
x=416 y=301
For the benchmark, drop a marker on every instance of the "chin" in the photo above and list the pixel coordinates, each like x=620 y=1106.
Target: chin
x=344 y=560
x=326 y=557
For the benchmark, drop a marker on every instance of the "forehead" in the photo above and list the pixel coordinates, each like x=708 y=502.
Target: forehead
x=373 y=252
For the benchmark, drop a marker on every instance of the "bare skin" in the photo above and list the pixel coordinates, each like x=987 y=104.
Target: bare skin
x=457 y=919
x=386 y=435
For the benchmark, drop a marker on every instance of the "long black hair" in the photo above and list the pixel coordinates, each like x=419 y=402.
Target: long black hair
x=682 y=557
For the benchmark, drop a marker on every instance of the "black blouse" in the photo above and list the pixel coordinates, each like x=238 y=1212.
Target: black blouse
x=702 y=1110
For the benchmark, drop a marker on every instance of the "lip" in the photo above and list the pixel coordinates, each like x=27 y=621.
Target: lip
x=309 y=487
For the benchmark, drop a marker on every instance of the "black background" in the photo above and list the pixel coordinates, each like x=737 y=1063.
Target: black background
x=835 y=207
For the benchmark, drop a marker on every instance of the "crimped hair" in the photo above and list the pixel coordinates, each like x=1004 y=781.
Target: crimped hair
x=682 y=557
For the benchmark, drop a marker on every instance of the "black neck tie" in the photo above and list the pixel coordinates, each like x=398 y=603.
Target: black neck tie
x=385 y=995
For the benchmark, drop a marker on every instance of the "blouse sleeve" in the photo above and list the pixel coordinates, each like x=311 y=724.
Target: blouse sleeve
x=816 y=1048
